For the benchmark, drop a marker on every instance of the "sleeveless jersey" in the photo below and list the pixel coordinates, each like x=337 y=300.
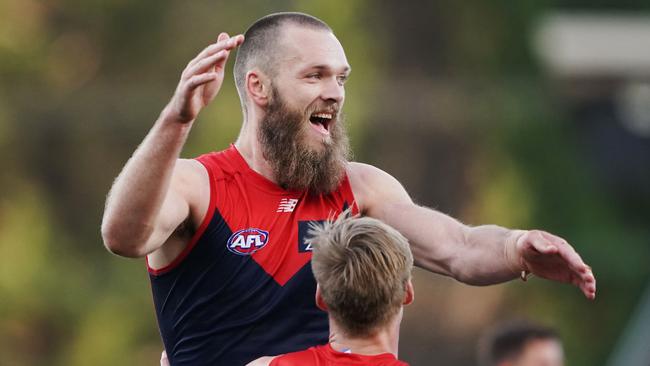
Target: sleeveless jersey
x=243 y=287
x=325 y=355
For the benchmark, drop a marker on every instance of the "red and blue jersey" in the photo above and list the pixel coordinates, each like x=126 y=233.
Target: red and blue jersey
x=327 y=356
x=243 y=287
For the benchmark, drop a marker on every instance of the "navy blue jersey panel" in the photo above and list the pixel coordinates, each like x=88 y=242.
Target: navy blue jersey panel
x=218 y=308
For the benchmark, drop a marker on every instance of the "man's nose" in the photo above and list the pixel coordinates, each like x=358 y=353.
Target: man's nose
x=333 y=90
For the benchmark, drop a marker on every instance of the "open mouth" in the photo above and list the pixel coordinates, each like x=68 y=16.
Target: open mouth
x=321 y=121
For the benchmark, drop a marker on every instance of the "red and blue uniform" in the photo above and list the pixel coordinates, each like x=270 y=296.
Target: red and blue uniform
x=243 y=287
x=325 y=355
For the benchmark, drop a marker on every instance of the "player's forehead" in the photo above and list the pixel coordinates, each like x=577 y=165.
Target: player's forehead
x=302 y=47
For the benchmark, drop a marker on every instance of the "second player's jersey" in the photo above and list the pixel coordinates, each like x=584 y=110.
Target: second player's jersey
x=326 y=356
x=243 y=287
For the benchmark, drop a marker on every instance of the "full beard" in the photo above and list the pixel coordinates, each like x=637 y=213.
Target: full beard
x=295 y=165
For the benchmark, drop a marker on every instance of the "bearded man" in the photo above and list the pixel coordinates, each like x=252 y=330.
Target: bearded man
x=224 y=234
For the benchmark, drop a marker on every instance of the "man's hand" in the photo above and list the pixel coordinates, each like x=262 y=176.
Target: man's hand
x=201 y=80
x=551 y=257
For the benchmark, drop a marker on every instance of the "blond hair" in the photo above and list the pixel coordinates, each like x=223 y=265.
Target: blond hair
x=362 y=267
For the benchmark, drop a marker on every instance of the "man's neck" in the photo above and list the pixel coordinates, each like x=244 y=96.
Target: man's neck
x=251 y=150
x=383 y=340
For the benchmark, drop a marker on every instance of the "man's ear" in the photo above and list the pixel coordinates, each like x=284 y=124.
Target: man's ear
x=257 y=87
x=319 y=299
x=409 y=294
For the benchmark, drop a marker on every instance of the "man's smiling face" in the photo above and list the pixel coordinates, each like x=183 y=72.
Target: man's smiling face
x=310 y=77
x=301 y=133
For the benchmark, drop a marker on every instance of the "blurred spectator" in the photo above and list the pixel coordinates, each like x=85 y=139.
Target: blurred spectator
x=520 y=344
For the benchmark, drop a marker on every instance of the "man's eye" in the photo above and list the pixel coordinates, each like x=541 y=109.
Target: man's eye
x=313 y=76
x=342 y=79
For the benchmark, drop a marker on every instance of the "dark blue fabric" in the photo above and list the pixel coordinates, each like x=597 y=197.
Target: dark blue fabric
x=217 y=308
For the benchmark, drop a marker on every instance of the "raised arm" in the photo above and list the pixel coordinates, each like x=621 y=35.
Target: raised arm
x=479 y=255
x=156 y=193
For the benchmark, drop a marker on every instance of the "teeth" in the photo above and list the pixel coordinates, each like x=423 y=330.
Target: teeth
x=323 y=115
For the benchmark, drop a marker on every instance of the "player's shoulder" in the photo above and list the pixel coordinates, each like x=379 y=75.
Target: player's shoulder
x=361 y=174
x=363 y=169
x=365 y=177
x=188 y=166
x=373 y=187
x=189 y=173
x=195 y=172
x=223 y=163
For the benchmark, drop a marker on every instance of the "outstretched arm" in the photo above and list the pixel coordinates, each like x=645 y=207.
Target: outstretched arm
x=478 y=255
x=152 y=197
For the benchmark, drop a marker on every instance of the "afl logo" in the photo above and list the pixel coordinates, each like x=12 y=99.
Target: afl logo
x=247 y=241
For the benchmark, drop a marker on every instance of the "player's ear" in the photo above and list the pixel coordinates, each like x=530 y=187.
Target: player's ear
x=409 y=294
x=258 y=87
x=319 y=299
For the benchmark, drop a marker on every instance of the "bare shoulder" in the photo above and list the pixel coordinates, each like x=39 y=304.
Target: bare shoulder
x=183 y=211
x=262 y=361
x=189 y=177
x=191 y=180
x=371 y=186
x=363 y=170
x=190 y=170
x=365 y=176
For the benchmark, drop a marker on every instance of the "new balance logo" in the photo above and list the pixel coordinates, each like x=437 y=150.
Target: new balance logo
x=287 y=205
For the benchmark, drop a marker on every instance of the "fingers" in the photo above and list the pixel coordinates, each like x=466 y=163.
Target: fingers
x=222 y=36
x=223 y=43
x=198 y=80
x=205 y=64
x=567 y=252
x=586 y=285
x=214 y=55
x=554 y=254
x=582 y=276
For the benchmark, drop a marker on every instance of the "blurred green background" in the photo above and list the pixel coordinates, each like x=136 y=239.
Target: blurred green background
x=455 y=99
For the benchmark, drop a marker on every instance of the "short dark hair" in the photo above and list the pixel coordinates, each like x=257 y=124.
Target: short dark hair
x=259 y=41
x=508 y=340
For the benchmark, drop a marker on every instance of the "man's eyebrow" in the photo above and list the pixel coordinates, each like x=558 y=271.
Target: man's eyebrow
x=346 y=69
